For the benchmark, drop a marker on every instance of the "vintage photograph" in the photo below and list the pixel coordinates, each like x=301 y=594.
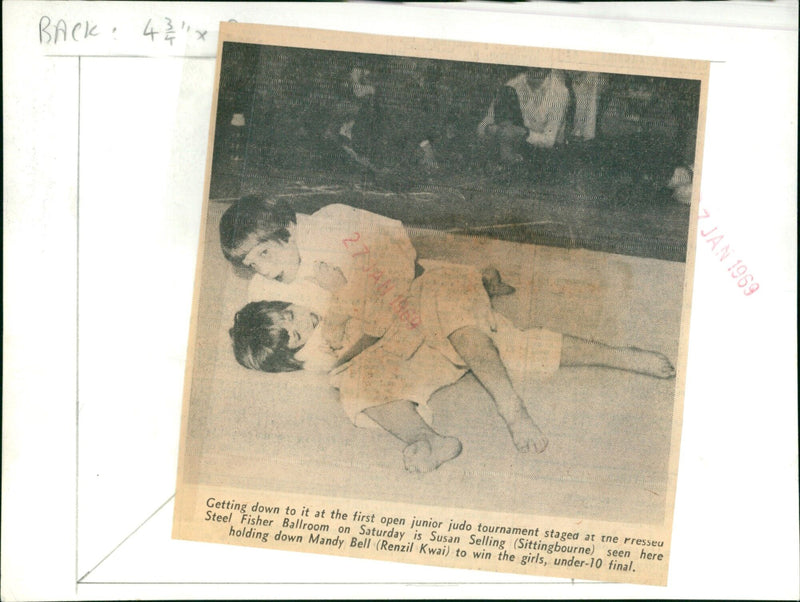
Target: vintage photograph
x=448 y=276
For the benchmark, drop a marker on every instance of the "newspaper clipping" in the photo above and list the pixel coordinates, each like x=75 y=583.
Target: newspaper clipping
x=441 y=304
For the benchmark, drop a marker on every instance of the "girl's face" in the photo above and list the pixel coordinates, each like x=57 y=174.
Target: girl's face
x=274 y=259
x=299 y=322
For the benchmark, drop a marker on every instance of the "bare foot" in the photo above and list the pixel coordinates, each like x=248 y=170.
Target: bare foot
x=650 y=363
x=428 y=454
x=526 y=435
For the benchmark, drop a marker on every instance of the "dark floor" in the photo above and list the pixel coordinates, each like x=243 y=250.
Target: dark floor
x=607 y=196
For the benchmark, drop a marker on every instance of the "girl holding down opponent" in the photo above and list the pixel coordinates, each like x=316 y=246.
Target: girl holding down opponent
x=442 y=328
x=345 y=262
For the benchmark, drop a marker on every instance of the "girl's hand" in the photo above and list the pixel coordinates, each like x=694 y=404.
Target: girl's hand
x=333 y=332
x=328 y=277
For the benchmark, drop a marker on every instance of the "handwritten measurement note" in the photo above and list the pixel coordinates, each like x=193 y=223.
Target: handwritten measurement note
x=144 y=33
x=168 y=30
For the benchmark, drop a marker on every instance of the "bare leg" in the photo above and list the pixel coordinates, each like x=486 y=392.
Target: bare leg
x=482 y=358
x=426 y=449
x=581 y=352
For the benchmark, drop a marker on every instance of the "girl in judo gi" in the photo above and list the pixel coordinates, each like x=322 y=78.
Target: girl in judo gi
x=442 y=329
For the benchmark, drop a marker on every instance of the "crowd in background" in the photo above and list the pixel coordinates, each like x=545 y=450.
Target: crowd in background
x=419 y=117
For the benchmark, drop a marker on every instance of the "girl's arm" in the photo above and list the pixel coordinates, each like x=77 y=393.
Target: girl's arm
x=360 y=345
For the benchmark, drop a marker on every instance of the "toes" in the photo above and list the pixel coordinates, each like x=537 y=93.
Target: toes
x=537 y=445
x=426 y=456
x=522 y=446
x=526 y=435
x=666 y=369
x=410 y=465
x=651 y=363
x=412 y=453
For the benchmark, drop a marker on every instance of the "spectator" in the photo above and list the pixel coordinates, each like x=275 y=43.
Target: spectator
x=587 y=86
x=528 y=112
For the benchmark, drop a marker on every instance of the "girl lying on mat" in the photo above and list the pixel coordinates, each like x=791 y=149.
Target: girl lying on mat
x=443 y=328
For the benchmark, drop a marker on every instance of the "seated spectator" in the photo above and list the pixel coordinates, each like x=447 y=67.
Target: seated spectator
x=396 y=128
x=528 y=111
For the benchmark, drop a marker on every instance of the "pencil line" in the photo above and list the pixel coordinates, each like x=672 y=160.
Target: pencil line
x=132 y=56
x=77 y=316
x=329 y=583
x=127 y=537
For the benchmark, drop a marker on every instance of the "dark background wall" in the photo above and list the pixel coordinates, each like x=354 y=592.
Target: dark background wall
x=609 y=193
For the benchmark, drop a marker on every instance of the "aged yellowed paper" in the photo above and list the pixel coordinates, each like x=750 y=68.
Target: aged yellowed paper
x=441 y=303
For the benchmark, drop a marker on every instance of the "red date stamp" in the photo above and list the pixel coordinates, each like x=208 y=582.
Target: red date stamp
x=737 y=270
x=381 y=282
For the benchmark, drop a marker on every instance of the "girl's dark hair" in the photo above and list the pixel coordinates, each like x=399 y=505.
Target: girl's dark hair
x=260 y=345
x=253 y=215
